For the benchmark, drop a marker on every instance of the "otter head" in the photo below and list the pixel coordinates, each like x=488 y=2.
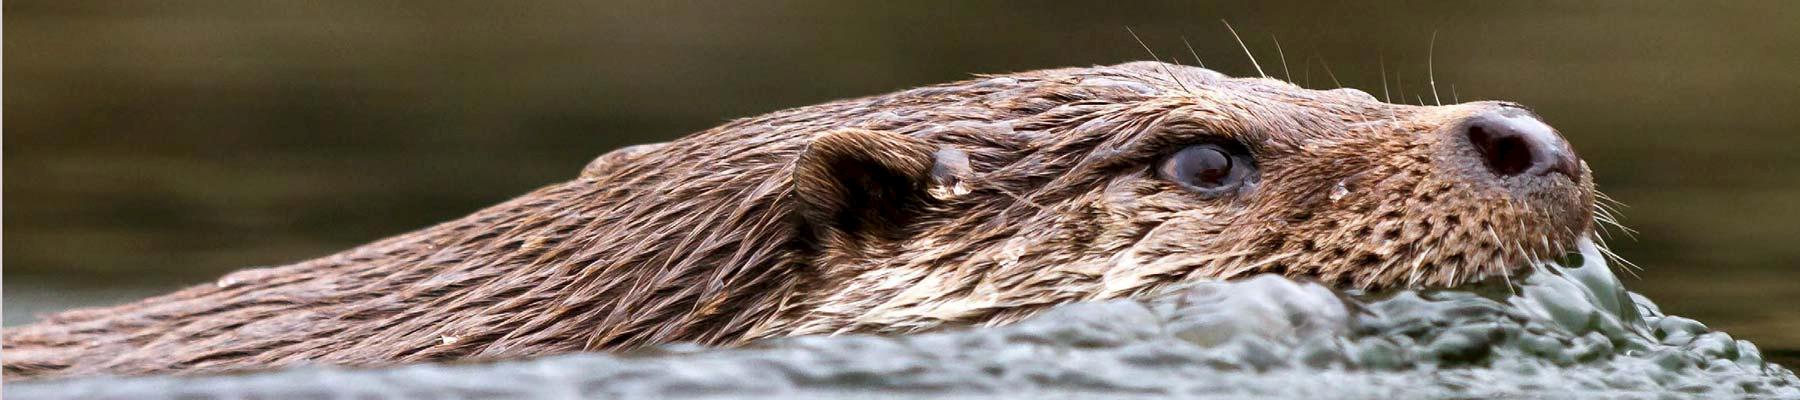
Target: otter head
x=982 y=200
x=974 y=202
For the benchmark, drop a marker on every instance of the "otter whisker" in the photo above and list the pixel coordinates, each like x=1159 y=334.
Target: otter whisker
x=1603 y=196
x=1305 y=71
x=1153 y=56
x=1399 y=84
x=1611 y=213
x=1606 y=219
x=1284 y=65
x=1560 y=249
x=1505 y=249
x=1418 y=267
x=1506 y=276
x=1431 y=68
x=1240 y=40
x=1385 y=96
x=1453 y=97
x=1603 y=208
x=1382 y=66
x=1630 y=267
x=1537 y=252
x=1265 y=261
x=1611 y=209
x=1612 y=257
x=1327 y=65
x=1190 y=47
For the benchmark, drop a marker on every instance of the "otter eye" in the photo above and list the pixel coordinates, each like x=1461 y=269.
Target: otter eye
x=1208 y=169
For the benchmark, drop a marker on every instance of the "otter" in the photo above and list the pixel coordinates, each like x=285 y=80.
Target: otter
x=971 y=203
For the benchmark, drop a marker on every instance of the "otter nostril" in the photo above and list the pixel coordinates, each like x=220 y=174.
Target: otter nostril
x=1511 y=145
x=1505 y=155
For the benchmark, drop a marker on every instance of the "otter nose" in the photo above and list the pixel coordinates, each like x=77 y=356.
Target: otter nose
x=1512 y=142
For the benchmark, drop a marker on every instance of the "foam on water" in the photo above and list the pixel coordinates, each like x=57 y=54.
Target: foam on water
x=1559 y=332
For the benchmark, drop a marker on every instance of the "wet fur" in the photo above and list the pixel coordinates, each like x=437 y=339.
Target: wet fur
x=840 y=218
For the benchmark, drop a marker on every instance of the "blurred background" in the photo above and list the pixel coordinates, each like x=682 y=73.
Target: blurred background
x=150 y=145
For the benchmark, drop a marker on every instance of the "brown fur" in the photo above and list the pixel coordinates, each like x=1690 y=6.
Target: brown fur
x=977 y=202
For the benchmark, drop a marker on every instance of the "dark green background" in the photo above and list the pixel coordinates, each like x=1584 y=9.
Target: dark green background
x=154 y=144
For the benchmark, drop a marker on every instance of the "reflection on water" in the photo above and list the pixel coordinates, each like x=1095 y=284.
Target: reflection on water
x=152 y=144
x=1560 y=333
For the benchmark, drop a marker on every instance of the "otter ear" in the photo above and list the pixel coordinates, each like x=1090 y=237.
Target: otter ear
x=857 y=181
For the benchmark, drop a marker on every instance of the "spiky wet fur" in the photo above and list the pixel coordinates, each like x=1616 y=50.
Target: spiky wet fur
x=709 y=239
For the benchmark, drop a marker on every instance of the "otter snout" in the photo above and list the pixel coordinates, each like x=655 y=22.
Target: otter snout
x=1512 y=141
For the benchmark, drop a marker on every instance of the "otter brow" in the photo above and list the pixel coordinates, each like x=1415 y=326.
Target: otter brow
x=1158 y=135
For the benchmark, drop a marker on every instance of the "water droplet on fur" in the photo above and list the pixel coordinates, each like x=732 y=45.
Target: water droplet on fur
x=241 y=277
x=1338 y=192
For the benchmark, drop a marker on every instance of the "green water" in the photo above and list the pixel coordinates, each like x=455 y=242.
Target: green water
x=155 y=144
